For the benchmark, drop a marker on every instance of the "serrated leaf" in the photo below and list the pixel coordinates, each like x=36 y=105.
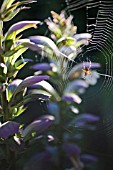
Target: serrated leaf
x=9 y=10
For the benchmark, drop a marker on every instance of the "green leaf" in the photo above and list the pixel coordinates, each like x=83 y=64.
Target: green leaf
x=13 y=51
x=8 y=44
x=16 y=99
x=3 y=69
x=29 y=98
x=20 y=90
x=12 y=72
x=19 y=111
x=6 y=4
x=21 y=66
x=1 y=34
x=12 y=86
x=11 y=15
x=9 y=3
x=68 y=41
x=21 y=61
x=17 y=55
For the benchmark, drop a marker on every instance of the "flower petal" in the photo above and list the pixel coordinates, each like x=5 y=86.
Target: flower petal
x=38 y=125
x=28 y=44
x=45 y=41
x=76 y=85
x=88 y=158
x=83 y=36
x=42 y=67
x=85 y=117
x=14 y=84
x=72 y=97
x=21 y=26
x=30 y=81
x=71 y=149
x=9 y=128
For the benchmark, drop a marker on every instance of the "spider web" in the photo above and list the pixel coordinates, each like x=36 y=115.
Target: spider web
x=99 y=23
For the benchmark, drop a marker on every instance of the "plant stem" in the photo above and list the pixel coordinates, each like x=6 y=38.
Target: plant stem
x=4 y=103
x=61 y=133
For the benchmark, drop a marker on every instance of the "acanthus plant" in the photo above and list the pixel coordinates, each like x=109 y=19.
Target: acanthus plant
x=13 y=96
x=65 y=86
x=14 y=137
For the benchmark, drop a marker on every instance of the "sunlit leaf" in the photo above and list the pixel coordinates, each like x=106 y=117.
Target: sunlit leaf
x=13 y=51
x=6 y=4
x=17 y=55
x=3 y=68
x=22 y=62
